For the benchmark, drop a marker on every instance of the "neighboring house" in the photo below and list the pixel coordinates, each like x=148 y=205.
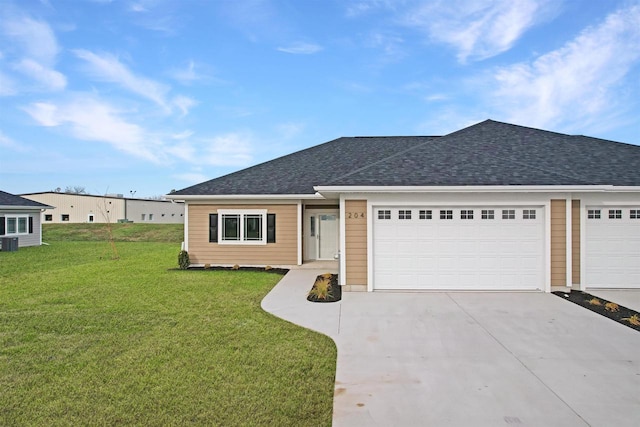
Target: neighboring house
x=82 y=208
x=493 y=206
x=20 y=217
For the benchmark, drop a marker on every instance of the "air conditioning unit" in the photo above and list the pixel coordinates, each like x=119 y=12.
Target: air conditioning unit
x=9 y=244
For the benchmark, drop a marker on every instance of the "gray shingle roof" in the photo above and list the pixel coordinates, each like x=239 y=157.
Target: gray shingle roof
x=299 y=172
x=488 y=153
x=7 y=199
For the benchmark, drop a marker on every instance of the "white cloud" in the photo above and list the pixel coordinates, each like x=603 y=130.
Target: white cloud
x=90 y=119
x=49 y=78
x=35 y=37
x=361 y=7
x=183 y=135
x=87 y=118
x=109 y=68
x=390 y=44
x=478 y=29
x=301 y=48
x=184 y=103
x=137 y=7
x=436 y=97
x=186 y=75
x=33 y=49
x=577 y=82
x=231 y=149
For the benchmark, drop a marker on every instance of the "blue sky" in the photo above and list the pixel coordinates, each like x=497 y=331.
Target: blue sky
x=153 y=95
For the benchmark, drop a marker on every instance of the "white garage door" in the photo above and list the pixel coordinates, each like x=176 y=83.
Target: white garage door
x=613 y=247
x=470 y=248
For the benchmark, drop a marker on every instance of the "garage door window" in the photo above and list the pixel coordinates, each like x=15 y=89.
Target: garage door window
x=404 y=214
x=615 y=214
x=466 y=214
x=593 y=214
x=508 y=214
x=384 y=214
x=446 y=214
x=634 y=214
x=528 y=214
x=425 y=214
x=488 y=214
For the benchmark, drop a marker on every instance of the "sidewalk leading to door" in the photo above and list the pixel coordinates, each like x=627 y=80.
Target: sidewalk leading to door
x=288 y=300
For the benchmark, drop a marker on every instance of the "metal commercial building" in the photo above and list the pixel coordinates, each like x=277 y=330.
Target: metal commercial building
x=82 y=208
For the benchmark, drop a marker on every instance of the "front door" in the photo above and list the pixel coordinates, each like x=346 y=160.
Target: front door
x=322 y=228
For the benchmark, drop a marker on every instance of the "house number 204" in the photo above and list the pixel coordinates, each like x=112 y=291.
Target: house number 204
x=355 y=215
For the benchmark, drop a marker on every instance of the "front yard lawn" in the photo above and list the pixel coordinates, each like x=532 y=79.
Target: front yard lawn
x=86 y=340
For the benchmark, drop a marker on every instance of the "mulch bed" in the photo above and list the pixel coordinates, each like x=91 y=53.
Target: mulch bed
x=613 y=311
x=280 y=271
x=335 y=290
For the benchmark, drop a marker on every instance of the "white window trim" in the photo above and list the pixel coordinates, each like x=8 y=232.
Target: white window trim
x=242 y=213
x=17 y=233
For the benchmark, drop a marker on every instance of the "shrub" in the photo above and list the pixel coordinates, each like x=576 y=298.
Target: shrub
x=183 y=260
x=321 y=289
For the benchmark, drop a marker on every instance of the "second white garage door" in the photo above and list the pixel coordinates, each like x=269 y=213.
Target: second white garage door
x=470 y=248
x=613 y=247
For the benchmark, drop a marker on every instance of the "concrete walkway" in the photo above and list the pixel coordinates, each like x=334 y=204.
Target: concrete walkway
x=470 y=359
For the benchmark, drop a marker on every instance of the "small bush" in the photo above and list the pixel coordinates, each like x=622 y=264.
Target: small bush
x=325 y=289
x=321 y=290
x=183 y=260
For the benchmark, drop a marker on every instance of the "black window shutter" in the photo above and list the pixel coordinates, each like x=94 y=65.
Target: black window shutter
x=271 y=228
x=213 y=228
x=1 y=226
x=30 y=225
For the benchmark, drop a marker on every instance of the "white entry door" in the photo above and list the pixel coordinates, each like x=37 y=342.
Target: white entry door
x=321 y=232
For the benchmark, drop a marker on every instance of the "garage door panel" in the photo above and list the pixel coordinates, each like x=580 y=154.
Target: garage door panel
x=459 y=253
x=467 y=247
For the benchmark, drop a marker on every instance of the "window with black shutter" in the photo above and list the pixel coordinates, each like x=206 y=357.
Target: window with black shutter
x=271 y=228
x=213 y=228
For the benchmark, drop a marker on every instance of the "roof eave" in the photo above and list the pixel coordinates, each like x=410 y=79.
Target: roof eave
x=330 y=190
x=200 y=197
x=22 y=208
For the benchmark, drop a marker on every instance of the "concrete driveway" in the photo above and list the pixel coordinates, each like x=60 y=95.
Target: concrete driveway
x=470 y=359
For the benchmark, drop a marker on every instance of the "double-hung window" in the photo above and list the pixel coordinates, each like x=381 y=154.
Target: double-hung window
x=242 y=226
x=17 y=224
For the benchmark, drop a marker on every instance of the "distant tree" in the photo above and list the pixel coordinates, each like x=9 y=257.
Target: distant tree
x=76 y=189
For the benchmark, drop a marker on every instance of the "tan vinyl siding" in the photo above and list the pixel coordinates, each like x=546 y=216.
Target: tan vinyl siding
x=575 y=241
x=283 y=252
x=558 y=243
x=356 y=242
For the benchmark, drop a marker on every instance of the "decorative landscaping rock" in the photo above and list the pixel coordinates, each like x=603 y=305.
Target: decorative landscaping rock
x=325 y=289
x=620 y=314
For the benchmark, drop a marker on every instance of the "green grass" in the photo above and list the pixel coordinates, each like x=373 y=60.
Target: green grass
x=125 y=232
x=89 y=340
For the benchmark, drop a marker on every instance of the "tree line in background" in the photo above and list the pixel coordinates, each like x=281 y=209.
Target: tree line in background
x=77 y=189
